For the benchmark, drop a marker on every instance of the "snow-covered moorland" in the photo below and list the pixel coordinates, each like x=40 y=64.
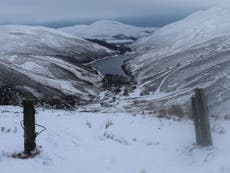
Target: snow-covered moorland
x=110 y=31
x=47 y=64
x=181 y=56
x=111 y=143
x=121 y=132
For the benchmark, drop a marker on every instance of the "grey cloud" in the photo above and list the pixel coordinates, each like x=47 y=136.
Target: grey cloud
x=51 y=10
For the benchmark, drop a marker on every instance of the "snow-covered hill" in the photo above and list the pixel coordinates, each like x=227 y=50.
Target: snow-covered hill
x=110 y=31
x=46 y=64
x=46 y=41
x=193 y=52
x=194 y=29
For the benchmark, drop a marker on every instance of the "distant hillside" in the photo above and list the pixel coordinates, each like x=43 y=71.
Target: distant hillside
x=193 y=52
x=46 y=64
x=110 y=31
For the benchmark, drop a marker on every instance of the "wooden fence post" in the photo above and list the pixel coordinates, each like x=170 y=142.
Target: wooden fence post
x=201 y=118
x=29 y=126
x=196 y=120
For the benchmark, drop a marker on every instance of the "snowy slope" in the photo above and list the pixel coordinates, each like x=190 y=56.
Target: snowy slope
x=110 y=31
x=193 y=52
x=112 y=143
x=46 y=64
x=45 y=41
x=194 y=29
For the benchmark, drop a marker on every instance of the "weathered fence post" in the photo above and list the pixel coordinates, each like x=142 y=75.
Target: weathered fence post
x=201 y=118
x=29 y=126
x=196 y=120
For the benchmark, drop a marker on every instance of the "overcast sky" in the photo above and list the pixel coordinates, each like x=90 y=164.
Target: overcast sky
x=38 y=11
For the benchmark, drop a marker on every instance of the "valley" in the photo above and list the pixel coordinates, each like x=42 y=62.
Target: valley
x=117 y=98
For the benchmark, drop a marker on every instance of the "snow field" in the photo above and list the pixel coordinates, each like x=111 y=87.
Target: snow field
x=115 y=143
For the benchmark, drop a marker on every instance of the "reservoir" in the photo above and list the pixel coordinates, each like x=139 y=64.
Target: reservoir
x=111 y=65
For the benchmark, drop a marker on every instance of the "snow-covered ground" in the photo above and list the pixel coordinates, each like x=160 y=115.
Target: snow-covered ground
x=38 y=40
x=110 y=31
x=47 y=63
x=86 y=142
x=197 y=28
x=190 y=53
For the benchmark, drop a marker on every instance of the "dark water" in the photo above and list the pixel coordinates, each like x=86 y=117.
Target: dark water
x=111 y=65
